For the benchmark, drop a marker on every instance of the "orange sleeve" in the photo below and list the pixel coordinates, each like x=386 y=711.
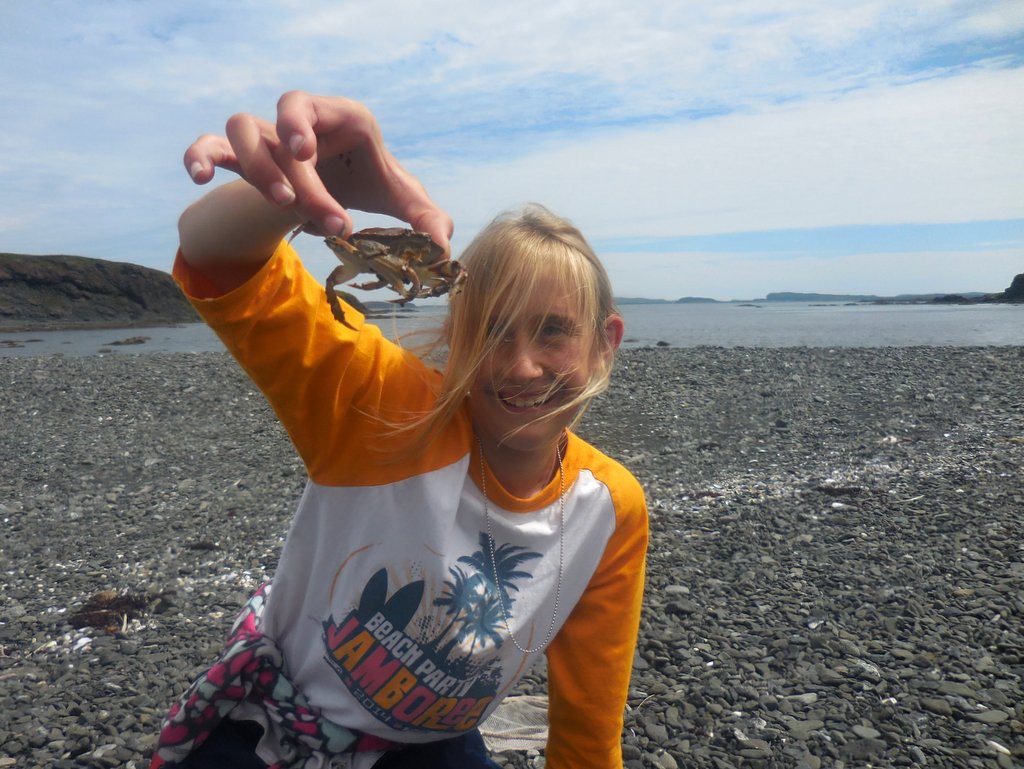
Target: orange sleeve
x=590 y=660
x=339 y=393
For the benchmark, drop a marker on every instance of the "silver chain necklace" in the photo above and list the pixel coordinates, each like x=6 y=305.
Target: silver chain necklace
x=561 y=549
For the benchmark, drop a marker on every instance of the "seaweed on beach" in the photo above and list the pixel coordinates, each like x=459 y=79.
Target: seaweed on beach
x=110 y=611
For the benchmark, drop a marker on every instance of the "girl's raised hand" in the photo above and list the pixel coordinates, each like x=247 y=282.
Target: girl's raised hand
x=323 y=156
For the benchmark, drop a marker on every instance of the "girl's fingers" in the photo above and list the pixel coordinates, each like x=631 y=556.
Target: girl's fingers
x=254 y=142
x=323 y=154
x=302 y=133
x=281 y=179
x=309 y=125
x=415 y=203
x=312 y=200
x=437 y=224
x=296 y=124
x=206 y=154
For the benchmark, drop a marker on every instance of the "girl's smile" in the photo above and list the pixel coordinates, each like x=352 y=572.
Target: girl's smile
x=533 y=399
x=521 y=396
x=524 y=403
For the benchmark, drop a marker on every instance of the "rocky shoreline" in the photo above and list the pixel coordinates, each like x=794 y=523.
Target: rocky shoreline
x=836 y=572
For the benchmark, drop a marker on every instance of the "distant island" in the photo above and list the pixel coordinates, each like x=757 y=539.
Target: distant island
x=1014 y=294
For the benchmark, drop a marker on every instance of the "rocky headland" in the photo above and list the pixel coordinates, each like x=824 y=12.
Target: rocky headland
x=58 y=291
x=47 y=293
x=836 y=569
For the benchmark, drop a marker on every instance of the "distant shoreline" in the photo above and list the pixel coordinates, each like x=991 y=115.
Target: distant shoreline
x=1012 y=294
x=21 y=327
x=929 y=299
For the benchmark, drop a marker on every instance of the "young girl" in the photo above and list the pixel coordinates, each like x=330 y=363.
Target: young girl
x=452 y=529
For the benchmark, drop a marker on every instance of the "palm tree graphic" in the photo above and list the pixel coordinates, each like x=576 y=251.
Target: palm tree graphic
x=472 y=599
x=457 y=599
x=482 y=625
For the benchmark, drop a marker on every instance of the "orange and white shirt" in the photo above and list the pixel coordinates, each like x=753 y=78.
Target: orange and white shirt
x=387 y=601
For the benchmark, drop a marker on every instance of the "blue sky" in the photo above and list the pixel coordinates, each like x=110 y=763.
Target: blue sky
x=725 y=149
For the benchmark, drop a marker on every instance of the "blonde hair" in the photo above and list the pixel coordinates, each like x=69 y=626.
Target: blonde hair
x=519 y=254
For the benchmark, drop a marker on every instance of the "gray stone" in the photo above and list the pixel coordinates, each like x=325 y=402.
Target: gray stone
x=989 y=716
x=937 y=705
x=755 y=752
x=954 y=687
x=657 y=733
x=630 y=751
x=807 y=698
x=866 y=731
x=801 y=730
x=863 y=748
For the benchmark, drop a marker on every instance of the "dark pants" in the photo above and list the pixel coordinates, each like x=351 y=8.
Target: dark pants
x=232 y=745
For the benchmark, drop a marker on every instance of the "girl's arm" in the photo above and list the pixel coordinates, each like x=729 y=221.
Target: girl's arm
x=590 y=660
x=231 y=232
x=321 y=156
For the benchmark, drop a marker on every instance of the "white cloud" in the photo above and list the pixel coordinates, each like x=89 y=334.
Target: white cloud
x=1000 y=19
x=650 y=57
x=944 y=150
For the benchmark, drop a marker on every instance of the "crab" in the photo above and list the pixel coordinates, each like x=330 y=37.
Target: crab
x=408 y=262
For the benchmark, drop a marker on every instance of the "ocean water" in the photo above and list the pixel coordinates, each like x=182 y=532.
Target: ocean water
x=767 y=324
x=796 y=324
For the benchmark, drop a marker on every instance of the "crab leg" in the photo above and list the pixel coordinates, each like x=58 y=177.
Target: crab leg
x=373 y=284
x=413 y=278
x=332 y=296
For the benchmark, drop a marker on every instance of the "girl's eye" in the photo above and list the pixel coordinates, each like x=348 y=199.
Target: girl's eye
x=557 y=328
x=495 y=333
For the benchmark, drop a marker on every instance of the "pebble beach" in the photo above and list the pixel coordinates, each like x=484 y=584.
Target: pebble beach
x=835 y=575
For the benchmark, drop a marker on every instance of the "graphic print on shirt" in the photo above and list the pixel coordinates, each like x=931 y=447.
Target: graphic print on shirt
x=440 y=672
